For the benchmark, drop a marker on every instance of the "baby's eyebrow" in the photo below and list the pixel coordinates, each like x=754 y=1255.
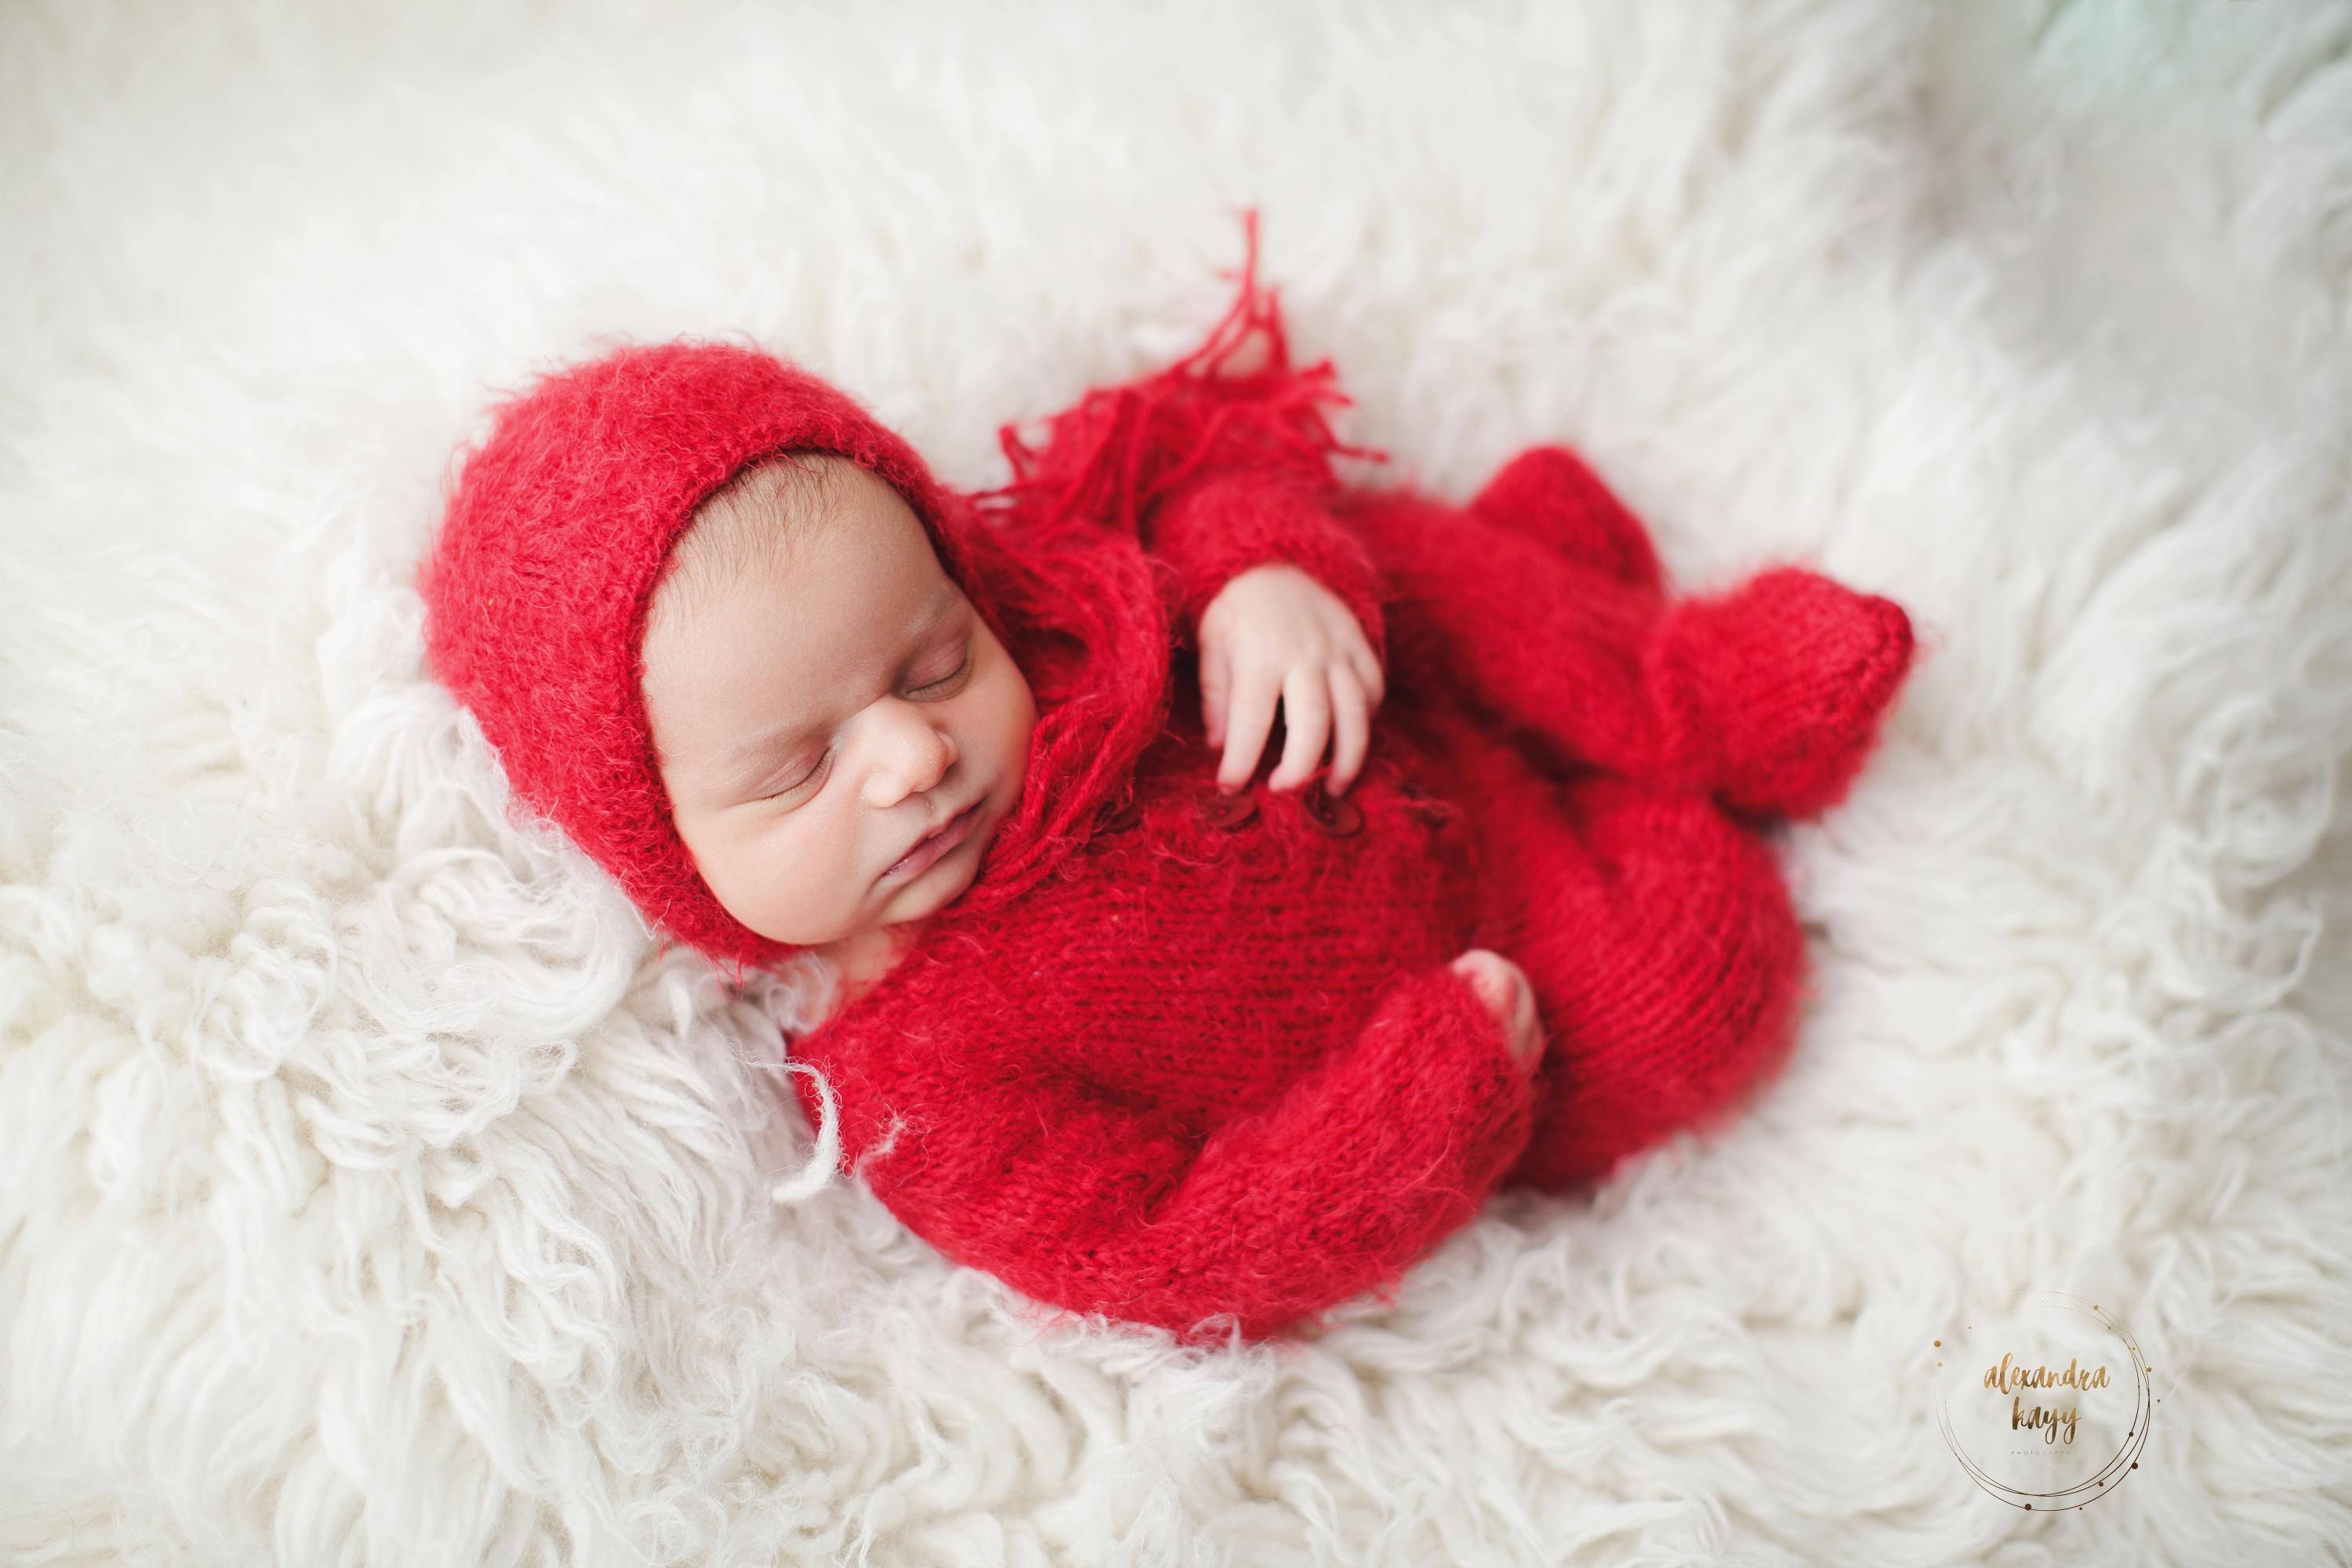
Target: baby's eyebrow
x=944 y=602
x=940 y=608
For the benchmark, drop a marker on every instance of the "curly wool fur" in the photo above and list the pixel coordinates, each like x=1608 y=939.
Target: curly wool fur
x=373 y=1190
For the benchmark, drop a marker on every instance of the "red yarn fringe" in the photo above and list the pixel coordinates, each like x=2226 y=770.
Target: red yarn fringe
x=1234 y=404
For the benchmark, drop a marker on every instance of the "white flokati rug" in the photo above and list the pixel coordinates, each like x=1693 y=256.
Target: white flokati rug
x=373 y=1190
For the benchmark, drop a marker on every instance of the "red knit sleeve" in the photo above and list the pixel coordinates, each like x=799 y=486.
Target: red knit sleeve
x=1215 y=528
x=1055 y=1188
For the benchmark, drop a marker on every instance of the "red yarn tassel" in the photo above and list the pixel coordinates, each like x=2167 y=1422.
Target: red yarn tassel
x=1235 y=403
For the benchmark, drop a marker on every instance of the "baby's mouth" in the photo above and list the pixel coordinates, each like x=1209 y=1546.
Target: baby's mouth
x=935 y=846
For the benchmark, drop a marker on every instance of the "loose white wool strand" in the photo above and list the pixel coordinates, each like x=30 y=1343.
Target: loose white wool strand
x=824 y=1160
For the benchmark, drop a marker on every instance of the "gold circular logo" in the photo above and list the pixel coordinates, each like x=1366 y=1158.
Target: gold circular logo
x=2048 y=1408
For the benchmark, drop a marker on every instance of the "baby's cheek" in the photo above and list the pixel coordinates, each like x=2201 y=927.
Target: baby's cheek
x=1020 y=723
x=818 y=876
x=766 y=880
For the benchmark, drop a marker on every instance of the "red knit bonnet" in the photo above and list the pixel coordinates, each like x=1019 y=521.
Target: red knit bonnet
x=536 y=593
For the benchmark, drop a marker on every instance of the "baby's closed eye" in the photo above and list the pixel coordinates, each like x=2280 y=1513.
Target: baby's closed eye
x=795 y=777
x=930 y=687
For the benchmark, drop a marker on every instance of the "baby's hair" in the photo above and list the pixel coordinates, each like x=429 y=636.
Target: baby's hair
x=753 y=518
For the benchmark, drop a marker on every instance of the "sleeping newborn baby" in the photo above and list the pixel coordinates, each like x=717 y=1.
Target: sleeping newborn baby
x=1179 y=988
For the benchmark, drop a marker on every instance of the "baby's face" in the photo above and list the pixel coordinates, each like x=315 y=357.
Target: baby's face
x=839 y=732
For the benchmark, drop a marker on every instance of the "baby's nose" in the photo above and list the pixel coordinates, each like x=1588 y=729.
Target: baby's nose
x=915 y=754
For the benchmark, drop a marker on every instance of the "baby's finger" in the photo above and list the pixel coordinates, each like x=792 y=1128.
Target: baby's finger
x=1248 y=717
x=1351 y=729
x=1306 y=714
x=1216 y=680
x=1367 y=670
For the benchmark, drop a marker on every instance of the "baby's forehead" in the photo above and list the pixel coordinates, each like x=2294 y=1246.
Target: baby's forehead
x=782 y=495
x=758 y=526
x=757 y=519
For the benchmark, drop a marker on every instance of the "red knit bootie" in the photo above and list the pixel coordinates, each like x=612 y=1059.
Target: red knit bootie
x=1546 y=494
x=1772 y=694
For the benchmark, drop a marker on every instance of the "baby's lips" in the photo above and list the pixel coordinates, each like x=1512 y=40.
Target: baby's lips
x=938 y=843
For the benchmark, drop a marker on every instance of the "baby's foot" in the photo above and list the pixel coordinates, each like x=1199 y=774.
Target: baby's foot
x=1502 y=988
x=1777 y=689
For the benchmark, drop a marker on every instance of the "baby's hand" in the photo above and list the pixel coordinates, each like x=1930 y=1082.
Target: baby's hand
x=1503 y=987
x=1275 y=634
